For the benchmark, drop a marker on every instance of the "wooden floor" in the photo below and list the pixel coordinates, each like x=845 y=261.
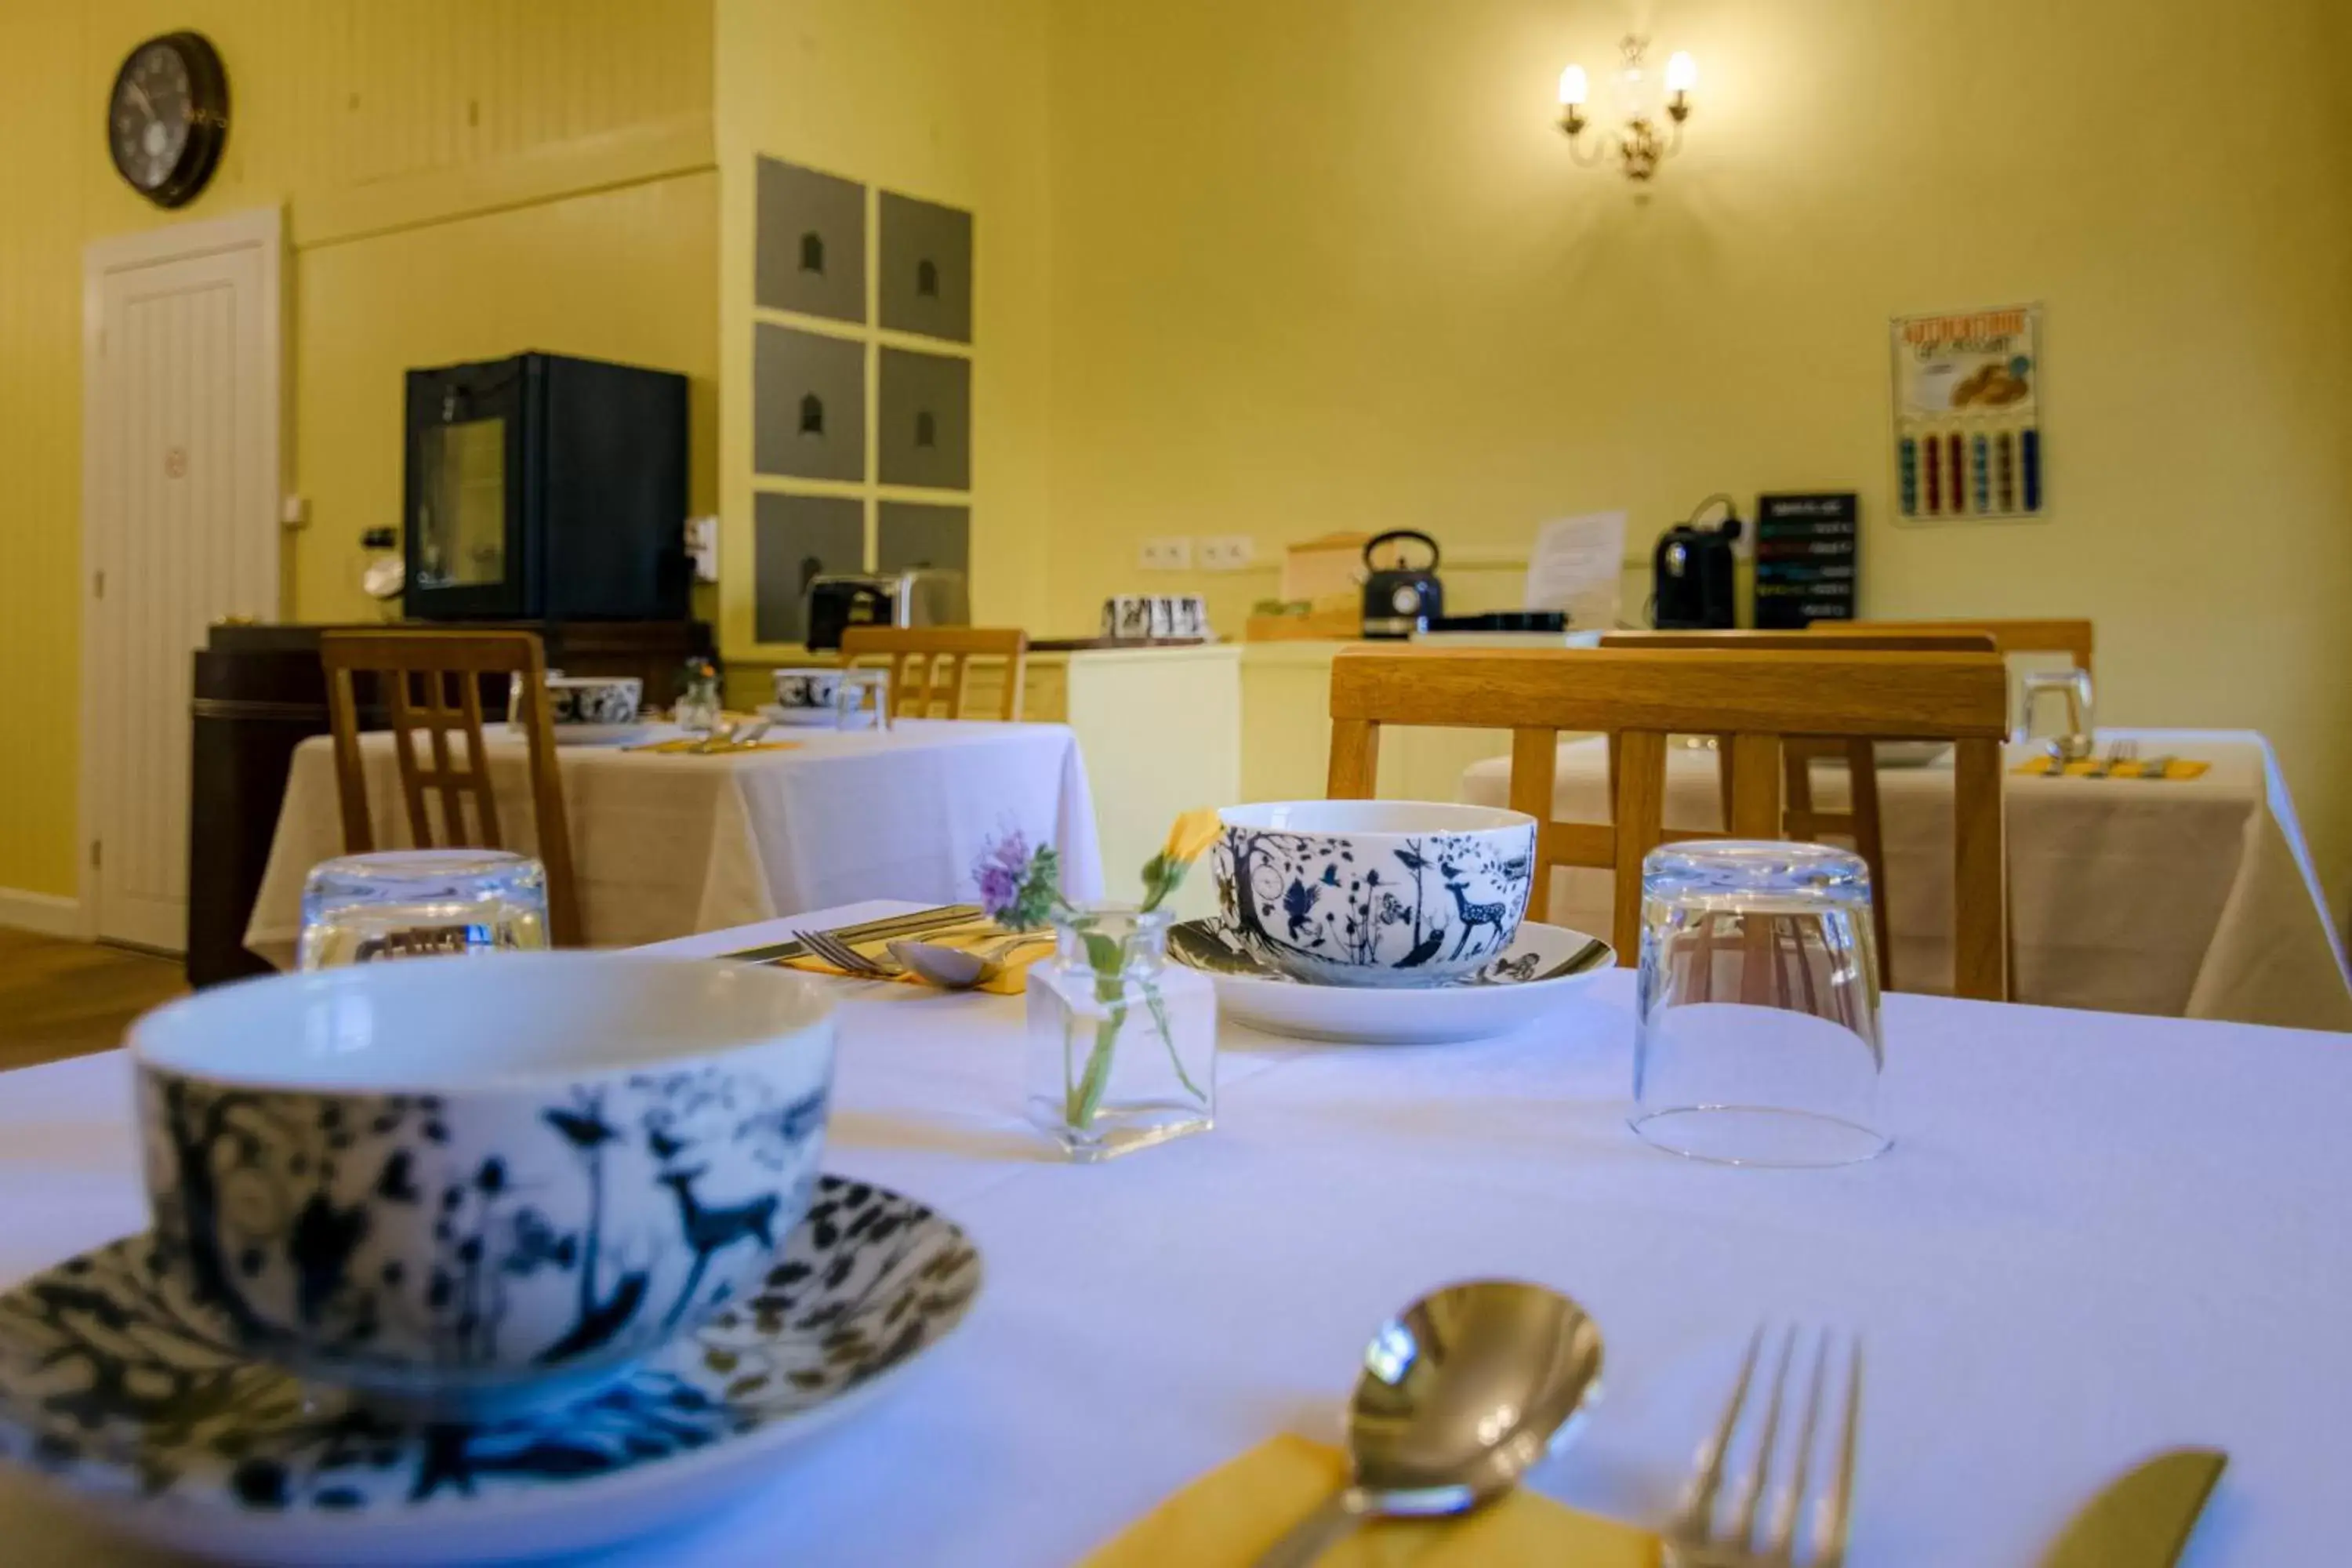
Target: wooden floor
x=62 y=998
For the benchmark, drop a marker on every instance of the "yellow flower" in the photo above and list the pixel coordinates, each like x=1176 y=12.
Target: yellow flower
x=1194 y=832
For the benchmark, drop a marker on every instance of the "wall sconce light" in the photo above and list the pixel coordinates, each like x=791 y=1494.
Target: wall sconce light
x=1641 y=146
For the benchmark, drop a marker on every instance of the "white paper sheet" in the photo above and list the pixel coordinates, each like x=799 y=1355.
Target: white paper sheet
x=1576 y=566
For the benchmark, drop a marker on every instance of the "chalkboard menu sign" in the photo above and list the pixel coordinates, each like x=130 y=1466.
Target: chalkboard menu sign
x=1805 y=560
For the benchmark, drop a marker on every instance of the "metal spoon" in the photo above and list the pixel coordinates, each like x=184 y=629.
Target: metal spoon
x=1576 y=962
x=735 y=734
x=1199 y=944
x=958 y=968
x=1460 y=1394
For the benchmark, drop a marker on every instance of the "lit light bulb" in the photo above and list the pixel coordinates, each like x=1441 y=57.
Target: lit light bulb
x=1682 y=72
x=1572 y=88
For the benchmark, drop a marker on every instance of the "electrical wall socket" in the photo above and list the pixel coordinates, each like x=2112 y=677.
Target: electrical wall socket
x=1227 y=553
x=702 y=547
x=1166 y=555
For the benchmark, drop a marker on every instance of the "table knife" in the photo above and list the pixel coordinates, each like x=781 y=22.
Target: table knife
x=908 y=924
x=2142 y=1519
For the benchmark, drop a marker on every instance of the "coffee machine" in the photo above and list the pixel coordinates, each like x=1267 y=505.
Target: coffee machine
x=1694 y=586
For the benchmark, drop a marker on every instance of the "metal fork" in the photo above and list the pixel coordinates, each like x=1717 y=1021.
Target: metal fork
x=2120 y=752
x=1696 y=1539
x=842 y=956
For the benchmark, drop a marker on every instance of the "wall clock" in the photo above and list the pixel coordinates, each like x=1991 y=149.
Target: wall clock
x=167 y=119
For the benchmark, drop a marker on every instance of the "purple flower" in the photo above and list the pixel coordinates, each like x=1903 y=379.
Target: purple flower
x=1001 y=871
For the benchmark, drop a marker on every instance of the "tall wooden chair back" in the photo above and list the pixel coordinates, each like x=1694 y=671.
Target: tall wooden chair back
x=2071 y=639
x=1642 y=697
x=430 y=684
x=931 y=666
x=1859 y=823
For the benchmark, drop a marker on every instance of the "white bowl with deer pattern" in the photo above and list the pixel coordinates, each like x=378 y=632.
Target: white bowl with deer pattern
x=1374 y=892
x=479 y=1182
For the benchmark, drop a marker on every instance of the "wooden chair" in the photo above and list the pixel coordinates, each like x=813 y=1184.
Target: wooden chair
x=1642 y=697
x=432 y=682
x=930 y=664
x=1859 y=823
x=2071 y=639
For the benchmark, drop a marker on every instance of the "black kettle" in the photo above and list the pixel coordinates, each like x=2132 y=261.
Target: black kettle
x=1399 y=600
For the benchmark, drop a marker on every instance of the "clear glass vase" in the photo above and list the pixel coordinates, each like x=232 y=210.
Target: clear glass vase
x=1122 y=1048
x=699 y=706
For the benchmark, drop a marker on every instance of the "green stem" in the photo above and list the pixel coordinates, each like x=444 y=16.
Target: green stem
x=1167 y=1038
x=1097 y=1075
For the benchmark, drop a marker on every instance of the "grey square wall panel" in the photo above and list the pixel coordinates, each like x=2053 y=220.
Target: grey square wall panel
x=808 y=405
x=924 y=430
x=910 y=534
x=812 y=242
x=925 y=279
x=794 y=538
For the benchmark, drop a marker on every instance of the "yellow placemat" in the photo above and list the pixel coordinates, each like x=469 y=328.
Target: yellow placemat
x=1232 y=1515
x=687 y=746
x=1011 y=981
x=2178 y=768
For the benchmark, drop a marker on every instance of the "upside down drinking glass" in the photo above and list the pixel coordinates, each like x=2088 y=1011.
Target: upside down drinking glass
x=1758 y=1037
x=420 y=903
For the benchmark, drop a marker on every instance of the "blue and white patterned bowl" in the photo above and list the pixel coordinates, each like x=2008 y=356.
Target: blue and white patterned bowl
x=1374 y=892
x=480 y=1184
x=593 y=698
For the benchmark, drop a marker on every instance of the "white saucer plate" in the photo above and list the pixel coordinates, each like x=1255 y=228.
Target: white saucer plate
x=1499 y=998
x=121 y=1394
x=799 y=717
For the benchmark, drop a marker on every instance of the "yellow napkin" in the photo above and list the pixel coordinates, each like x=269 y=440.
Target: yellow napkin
x=1013 y=980
x=2178 y=768
x=1230 y=1516
x=687 y=745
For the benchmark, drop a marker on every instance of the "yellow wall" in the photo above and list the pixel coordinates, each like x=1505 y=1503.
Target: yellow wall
x=41 y=440
x=943 y=99
x=622 y=274
x=1324 y=264
x=383 y=130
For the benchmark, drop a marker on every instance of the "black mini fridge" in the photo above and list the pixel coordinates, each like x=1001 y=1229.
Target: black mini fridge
x=546 y=487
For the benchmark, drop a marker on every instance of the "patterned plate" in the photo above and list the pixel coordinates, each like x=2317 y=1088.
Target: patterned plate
x=121 y=1394
x=1544 y=964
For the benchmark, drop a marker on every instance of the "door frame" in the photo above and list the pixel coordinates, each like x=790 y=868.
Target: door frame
x=259 y=228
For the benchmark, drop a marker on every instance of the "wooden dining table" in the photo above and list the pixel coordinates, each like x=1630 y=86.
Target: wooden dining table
x=2096 y=1236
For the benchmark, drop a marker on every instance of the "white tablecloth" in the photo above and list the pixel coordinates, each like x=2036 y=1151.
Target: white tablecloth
x=2185 y=899
x=666 y=846
x=2096 y=1236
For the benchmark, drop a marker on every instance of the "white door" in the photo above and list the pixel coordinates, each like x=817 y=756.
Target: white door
x=181 y=498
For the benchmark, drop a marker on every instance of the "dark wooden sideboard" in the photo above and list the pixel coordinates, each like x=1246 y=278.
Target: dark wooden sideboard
x=259 y=693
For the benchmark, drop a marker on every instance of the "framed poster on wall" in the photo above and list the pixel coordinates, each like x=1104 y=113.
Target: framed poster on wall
x=1968 y=415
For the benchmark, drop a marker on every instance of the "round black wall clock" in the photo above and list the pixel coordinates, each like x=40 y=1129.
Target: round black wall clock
x=167 y=118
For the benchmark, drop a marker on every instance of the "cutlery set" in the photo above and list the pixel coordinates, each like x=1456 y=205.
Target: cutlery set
x=915 y=922
x=954 y=968
x=1471 y=1385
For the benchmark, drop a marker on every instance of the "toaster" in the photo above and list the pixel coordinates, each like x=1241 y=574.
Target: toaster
x=925 y=597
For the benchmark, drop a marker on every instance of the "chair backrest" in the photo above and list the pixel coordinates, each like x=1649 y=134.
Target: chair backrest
x=930 y=664
x=2071 y=639
x=1642 y=697
x=1800 y=818
x=431 y=682
x=1850 y=636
